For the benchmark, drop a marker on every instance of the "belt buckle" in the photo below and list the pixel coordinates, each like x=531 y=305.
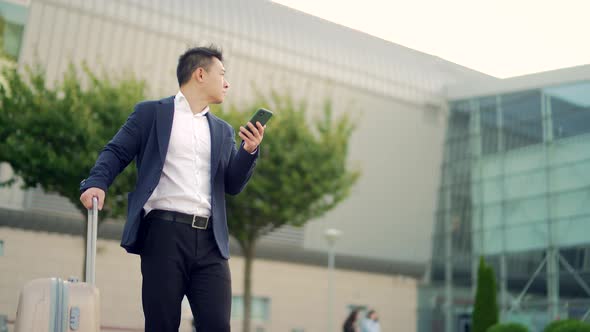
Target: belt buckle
x=199 y=227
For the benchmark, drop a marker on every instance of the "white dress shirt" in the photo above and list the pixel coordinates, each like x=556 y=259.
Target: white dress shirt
x=185 y=180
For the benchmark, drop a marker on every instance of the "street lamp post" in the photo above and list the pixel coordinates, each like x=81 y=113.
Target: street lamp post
x=331 y=235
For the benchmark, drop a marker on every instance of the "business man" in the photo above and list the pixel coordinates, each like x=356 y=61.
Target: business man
x=187 y=161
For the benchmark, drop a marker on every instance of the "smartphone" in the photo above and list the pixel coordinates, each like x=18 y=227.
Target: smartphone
x=262 y=116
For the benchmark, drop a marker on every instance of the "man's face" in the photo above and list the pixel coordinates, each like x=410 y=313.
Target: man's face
x=214 y=83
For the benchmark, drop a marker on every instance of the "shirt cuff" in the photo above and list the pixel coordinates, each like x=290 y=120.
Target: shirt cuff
x=253 y=152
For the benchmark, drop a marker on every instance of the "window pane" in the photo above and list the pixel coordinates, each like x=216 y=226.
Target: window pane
x=459 y=121
x=237 y=308
x=12 y=24
x=489 y=125
x=570 y=109
x=522 y=121
x=260 y=308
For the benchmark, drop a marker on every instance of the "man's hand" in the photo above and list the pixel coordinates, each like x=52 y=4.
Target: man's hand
x=252 y=137
x=86 y=197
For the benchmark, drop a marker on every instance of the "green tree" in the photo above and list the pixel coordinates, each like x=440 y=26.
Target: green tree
x=553 y=326
x=573 y=326
x=485 y=311
x=302 y=172
x=508 y=327
x=51 y=134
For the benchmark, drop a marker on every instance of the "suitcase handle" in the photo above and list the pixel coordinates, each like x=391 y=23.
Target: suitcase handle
x=91 y=241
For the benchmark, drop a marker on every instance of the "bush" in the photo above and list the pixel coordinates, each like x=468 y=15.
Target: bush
x=508 y=327
x=553 y=326
x=573 y=326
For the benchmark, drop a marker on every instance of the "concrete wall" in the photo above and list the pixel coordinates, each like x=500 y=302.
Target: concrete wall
x=297 y=293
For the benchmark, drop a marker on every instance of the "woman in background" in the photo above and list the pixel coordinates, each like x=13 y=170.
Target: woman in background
x=351 y=323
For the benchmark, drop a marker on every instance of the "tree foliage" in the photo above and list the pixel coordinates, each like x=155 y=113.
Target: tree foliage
x=508 y=327
x=51 y=134
x=302 y=172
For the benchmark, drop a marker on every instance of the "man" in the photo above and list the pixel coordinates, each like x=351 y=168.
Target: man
x=371 y=323
x=187 y=161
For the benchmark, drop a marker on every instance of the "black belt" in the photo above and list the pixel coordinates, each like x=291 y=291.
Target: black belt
x=193 y=220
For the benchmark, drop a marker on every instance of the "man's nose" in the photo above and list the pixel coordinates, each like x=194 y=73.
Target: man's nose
x=226 y=85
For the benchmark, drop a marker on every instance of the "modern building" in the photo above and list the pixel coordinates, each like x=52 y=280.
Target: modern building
x=415 y=113
x=515 y=190
x=395 y=92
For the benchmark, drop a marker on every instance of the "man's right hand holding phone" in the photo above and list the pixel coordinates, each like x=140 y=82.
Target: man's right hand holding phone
x=252 y=136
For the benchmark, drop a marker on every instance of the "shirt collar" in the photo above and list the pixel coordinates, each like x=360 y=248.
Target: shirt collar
x=180 y=100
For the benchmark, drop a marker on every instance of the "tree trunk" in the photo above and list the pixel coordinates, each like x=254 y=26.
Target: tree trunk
x=248 y=260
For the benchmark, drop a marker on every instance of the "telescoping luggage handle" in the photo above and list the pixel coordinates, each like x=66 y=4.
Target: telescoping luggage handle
x=91 y=241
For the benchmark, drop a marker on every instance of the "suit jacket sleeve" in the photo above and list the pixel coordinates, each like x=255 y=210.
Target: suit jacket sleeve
x=240 y=167
x=116 y=155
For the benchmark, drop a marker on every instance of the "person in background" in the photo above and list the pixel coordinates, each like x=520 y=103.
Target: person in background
x=351 y=322
x=371 y=322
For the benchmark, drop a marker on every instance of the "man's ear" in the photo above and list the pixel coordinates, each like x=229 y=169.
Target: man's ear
x=198 y=74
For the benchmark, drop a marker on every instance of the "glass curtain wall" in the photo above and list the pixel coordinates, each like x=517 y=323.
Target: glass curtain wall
x=515 y=180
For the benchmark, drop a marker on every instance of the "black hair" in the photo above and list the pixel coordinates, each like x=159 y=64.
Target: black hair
x=348 y=323
x=194 y=58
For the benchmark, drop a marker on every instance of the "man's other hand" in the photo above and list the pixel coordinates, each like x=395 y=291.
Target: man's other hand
x=86 y=197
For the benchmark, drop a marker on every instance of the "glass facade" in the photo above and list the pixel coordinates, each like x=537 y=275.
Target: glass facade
x=13 y=18
x=515 y=181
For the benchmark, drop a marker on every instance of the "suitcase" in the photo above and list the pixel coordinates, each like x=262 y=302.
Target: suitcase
x=57 y=305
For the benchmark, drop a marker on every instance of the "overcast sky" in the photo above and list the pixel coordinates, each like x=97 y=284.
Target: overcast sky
x=502 y=38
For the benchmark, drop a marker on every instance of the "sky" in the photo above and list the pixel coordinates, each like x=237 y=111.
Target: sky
x=502 y=38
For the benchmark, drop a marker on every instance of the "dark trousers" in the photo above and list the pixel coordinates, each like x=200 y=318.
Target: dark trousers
x=179 y=260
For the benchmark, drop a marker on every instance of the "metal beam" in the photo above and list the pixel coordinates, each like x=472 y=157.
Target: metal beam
x=528 y=284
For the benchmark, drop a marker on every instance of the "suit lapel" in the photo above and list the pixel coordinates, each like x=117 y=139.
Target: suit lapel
x=164 y=117
x=216 y=142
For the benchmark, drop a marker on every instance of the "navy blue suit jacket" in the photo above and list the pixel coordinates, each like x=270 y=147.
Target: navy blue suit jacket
x=145 y=137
